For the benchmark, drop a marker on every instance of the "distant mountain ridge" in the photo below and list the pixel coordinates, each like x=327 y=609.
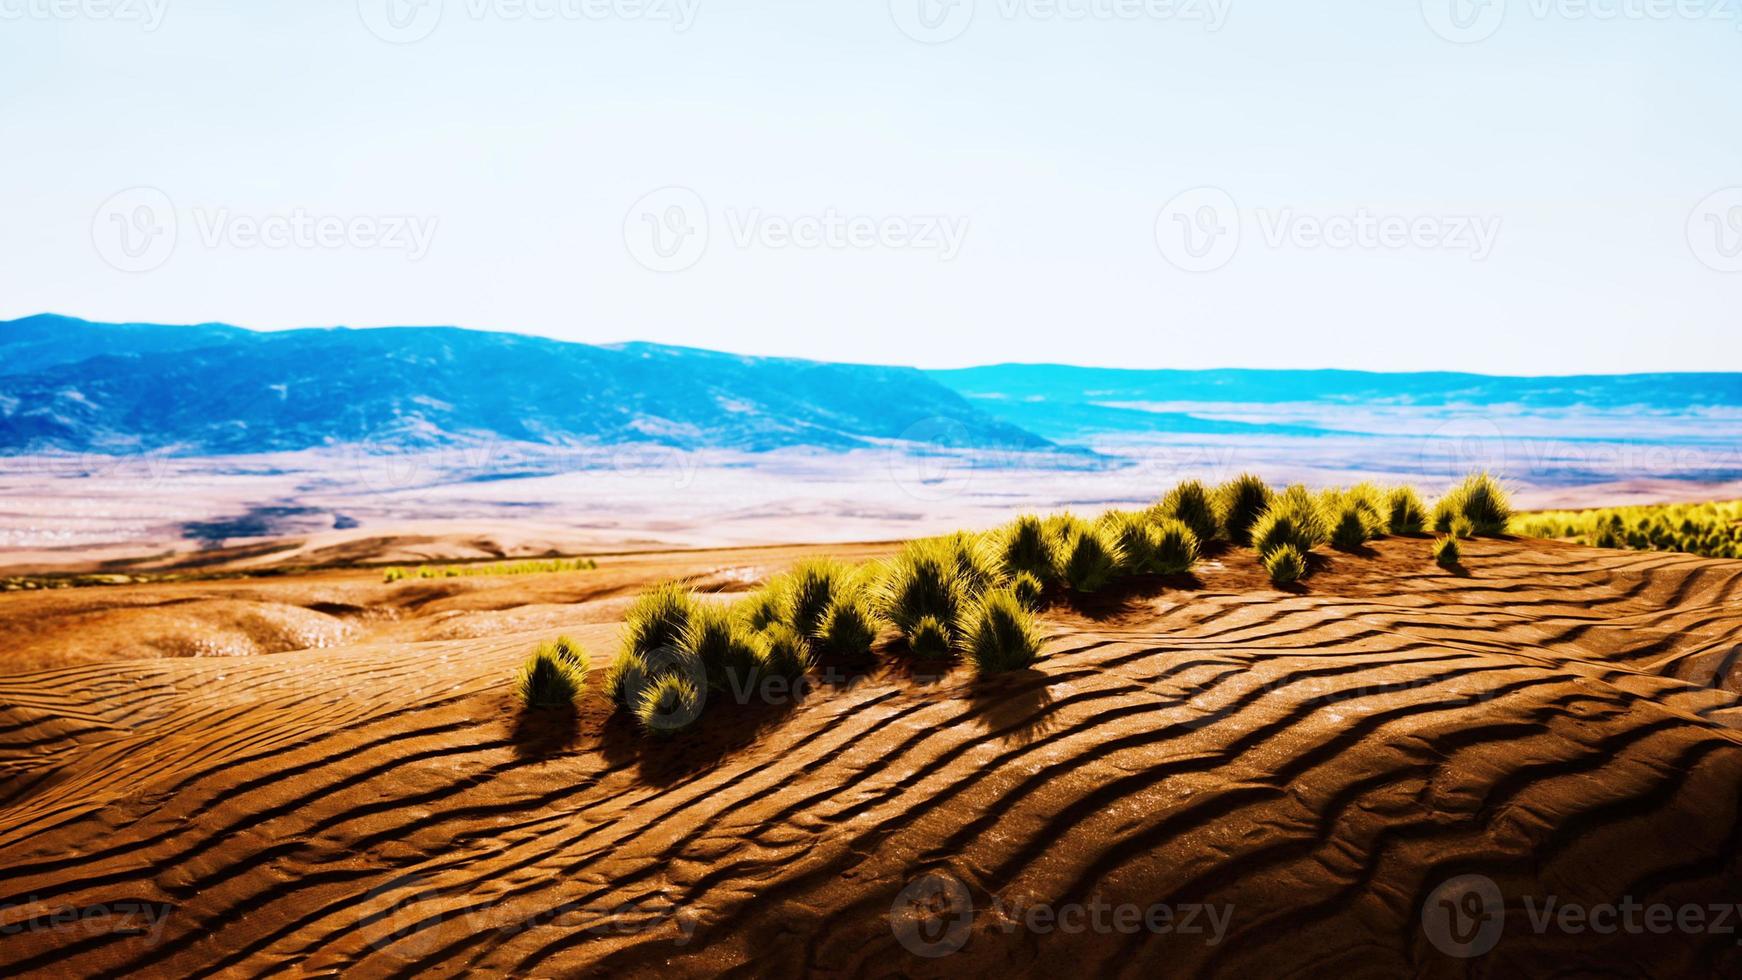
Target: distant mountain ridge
x=68 y=384
x=73 y=385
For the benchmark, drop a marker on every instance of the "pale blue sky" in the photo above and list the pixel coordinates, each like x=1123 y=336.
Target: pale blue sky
x=1047 y=146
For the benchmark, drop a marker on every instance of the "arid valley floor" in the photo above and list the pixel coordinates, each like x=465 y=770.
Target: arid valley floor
x=360 y=792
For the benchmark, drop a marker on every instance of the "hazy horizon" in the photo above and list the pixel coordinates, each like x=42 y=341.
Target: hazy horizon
x=513 y=331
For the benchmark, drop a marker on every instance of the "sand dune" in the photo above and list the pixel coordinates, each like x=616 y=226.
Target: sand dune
x=1311 y=764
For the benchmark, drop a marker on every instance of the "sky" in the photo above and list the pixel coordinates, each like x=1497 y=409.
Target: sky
x=1505 y=186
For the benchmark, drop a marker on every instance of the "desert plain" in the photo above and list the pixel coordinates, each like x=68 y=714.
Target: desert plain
x=262 y=757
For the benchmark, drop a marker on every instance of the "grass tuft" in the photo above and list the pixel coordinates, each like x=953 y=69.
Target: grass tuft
x=782 y=652
x=658 y=619
x=922 y=583
x=1176 y=547
x=931 y=639
x=1350 y=528
x=624 y=670
x=1286 y=564
x=1134 y=540
x=1028 y=590
x=1002 y=633
x=1447 y=553
x=552 y=678
x=1291 y=519
x=768 y=605
x=717 y=638
x=1239 y=504
x=1191 y=504
x=669 y=705
x=814 y=583
x=1404 y=513
x=850 y=627
x=1091 y=560
x=1479 y=499
x=1025 y=546
x=977 y=565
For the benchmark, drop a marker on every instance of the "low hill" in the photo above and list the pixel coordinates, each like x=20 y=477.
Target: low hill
x=216 y=389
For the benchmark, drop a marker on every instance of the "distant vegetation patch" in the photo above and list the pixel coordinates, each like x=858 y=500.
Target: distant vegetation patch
x=530 y=567
x=1713 y=530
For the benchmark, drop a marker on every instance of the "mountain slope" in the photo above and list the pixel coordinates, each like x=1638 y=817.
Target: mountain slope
x=261 y=392
x=43 y=341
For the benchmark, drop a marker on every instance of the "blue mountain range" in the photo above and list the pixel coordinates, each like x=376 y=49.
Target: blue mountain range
x=73 y=385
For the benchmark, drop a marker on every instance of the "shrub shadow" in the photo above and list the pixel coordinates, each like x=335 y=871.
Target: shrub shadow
x=540 y=733
x=1358 y=551
x=1016 y=705
x=899 y=662
x=733 y=719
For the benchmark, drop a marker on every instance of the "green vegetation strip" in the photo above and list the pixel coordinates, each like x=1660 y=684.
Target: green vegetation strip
x=975 y=596
x=1712 y=530
x=533 y=567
